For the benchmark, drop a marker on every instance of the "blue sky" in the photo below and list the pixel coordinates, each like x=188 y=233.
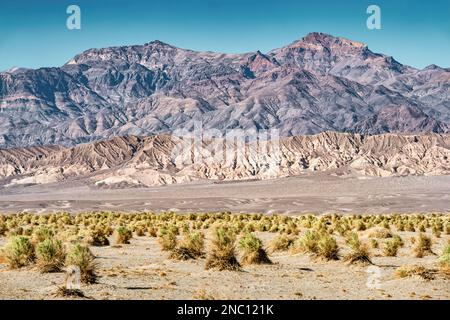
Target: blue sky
x=34 y=34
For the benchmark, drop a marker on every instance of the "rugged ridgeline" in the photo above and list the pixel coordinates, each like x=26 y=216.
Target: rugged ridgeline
x=147 y=161
x=315 y=84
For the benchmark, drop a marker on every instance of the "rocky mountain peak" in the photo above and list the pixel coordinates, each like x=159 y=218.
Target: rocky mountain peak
x=318 y=83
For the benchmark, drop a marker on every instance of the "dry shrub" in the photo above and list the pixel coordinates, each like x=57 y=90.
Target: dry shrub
x=3 y=228
x=447 y=228
x=42 y=233
x=436 y=230
x=122 y=235
x=253 y=251
x=306 y=243
x=191 y=247
x=281 y=242
x=422 y=246
x=390 y=248
x=327 y=247
x=359 y=251
x=50 y=255
x=410 y=227
x=152 y=232
x=409 y=271
x=398 y=240
x=19 y=252
x=82 y=257
x=167 y=239
x=222 y=252
x=380 y=233
x=444 y=261
x=360 y=225
x=422 y=228
x=374 y=243
x=97 y=237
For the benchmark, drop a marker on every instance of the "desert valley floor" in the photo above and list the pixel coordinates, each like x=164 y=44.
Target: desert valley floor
x=315 y=193
x=142 y=270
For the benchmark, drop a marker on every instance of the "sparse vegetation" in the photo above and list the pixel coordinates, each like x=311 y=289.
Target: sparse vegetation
x=191 y=247
x=281 y=242
x=390 y=248
x=253 y=250
x=359 y=251
x=167 y=239
x=409 y=271
x=50 y=255
x=222 y=252
x=99 y=237
x=308 y=243
x=327 y=247
x=41 y=240
x=122 y=235
x=422 y=246
x=82 y=257
x=19 y=252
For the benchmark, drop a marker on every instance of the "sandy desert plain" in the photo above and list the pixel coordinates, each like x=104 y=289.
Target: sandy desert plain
x=309 y=237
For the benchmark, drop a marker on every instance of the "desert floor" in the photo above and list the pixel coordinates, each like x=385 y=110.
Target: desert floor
x=140 y=270
x=316 y=193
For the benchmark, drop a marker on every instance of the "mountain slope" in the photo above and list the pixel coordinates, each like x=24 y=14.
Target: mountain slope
x=147 y=161
x=315 y=84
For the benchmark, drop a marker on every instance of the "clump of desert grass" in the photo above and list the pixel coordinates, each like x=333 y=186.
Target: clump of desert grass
x=81 y=256
x=379 y=233
x=414 y=270
x=374 y=243
x=50 y=255
x=167 y=239
x=360 y=225
x=422 y=246
x=390 y=248
x=19 y=252
x=253 y=251
x=282 y=242
x=307 y=243
x=221 y=255
x=327 y=247
x=444 y=261
x=360 y=252
x=3 y=228
x=122 y=235
x=42 y=233
x=191 y=247
x=318 y=243
x=447 y=228
x=98 y=237
x=392 y=245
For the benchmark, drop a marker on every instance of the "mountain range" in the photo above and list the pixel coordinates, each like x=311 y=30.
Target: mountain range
x=316 y=84
x=147 y=161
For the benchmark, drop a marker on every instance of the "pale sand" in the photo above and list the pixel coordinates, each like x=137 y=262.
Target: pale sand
x=140 y=270
x=317 y=193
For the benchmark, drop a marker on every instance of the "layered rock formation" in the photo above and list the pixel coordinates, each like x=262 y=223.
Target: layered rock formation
x=164 y=159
